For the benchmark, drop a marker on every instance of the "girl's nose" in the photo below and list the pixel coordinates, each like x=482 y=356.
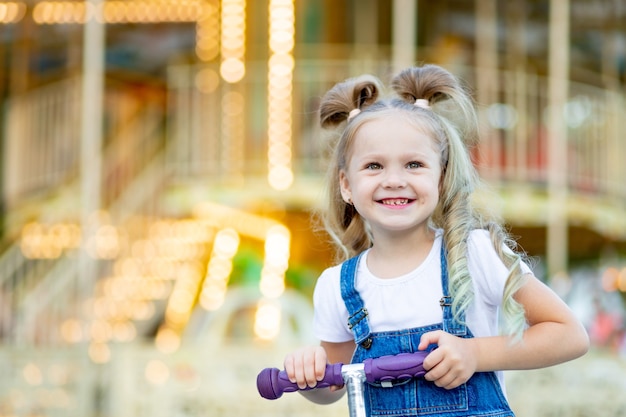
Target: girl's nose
x=394 y=179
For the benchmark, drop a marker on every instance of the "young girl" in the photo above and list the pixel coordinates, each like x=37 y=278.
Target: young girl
x=423 y=269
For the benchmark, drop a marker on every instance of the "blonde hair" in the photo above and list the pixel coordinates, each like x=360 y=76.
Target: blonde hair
x=450 y=119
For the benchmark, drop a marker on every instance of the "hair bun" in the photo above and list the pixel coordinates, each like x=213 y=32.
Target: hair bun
x=429 y=82
x=353 y=93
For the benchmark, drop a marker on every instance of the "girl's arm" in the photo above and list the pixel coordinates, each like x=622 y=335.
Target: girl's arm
x=306 y=366
x=554 y=336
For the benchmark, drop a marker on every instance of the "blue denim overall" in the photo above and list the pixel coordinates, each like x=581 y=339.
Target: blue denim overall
x=480 y=396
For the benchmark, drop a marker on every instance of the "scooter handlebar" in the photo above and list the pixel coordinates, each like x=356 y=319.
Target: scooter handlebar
x=394 y=367
x=272 y=383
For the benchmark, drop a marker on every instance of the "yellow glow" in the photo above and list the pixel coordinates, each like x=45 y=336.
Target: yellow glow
x=212 y=300
x=276 y=262
x=272 y=284
x=124 y=331
x=621 y=280
x=106 y=243
x=101 y=331
x=233 y=103
x=280 y=70
x=71 y=331
x=59 y=12
x=128 y=266
x=232 y=70
x=12 y=12
x=99 y=352
x=281 y=132
x=207 y=81
x=280 y=79
x=135 y=11
x=220 y=268
x=143 y=310
x=101 y=305
x=162 y=268
x=246 y=224
x=145 y=11
x=173 y=256
x=127 y=295
x=279 y=153
x=277 y=245
x=207 y=32
x=267 y=320
x=153 y=289
x=279 y=82
x=32 y=374
x=278 y=119
x=218 y=271
x=282 y=43
x=167 y=340
x=157 y=372
x=182 y=298
x=143 y=249
x=131 y=11
x=280 y=177
x=114 y=12
x=39 y=241
x=233 y=21
x=66 y=235
x=276 y=159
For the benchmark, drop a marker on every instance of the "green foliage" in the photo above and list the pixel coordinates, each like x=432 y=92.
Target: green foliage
x=248 y=263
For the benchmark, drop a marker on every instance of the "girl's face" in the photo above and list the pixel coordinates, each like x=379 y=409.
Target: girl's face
x=392 y=175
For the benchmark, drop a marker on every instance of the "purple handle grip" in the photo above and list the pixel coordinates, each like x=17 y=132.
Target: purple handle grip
x=394 y=367
x=272 y=383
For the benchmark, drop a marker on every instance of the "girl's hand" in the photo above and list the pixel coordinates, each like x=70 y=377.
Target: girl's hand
x=306 y=366
x=453 y=362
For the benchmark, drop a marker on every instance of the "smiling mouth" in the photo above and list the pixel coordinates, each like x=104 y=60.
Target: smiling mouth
x=395 y=201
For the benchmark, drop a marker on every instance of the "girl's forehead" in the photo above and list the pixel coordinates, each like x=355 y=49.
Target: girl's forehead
x=391 y=138
x=402 y=117
x=376 y=125
x=399 y=124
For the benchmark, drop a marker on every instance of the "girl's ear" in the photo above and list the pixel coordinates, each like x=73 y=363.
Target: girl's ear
x=344 y=186
x=442 y=179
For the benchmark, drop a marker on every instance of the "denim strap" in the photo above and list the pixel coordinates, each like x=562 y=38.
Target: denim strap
x=357 y=320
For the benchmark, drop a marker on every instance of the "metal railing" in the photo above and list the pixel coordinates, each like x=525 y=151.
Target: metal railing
x=512 y=155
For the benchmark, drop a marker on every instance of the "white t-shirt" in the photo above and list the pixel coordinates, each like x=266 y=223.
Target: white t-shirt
x=412 y=300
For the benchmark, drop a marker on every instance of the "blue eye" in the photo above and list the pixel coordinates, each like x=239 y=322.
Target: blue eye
x=373 y=165
x=414 y=165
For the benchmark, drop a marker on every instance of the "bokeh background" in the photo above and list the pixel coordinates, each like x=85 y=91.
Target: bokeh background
x=161 y=161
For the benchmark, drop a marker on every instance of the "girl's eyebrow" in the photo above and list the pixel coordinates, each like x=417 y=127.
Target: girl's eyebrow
x=377 y=156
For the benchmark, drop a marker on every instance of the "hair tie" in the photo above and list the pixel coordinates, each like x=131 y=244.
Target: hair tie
x=353 y=113
x=421 y=102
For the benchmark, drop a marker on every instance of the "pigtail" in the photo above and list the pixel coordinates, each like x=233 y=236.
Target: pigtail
x=435 y=90
x=354 y=93
x=342 y=103
x=514 y=314
x=445 y=95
